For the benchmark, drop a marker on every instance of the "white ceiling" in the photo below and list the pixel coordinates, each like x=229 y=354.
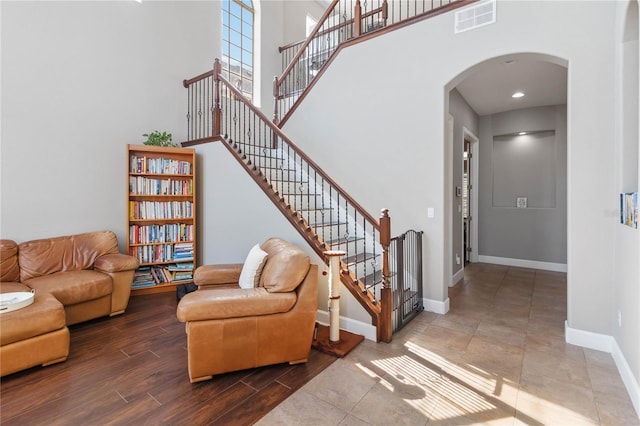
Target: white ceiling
x=489 y=86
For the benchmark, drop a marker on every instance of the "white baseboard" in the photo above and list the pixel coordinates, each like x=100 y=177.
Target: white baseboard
x=523 y=263
x=602 y=342
x=436 y=306
x=350 y=325
x=630 y=382
x=457 y=277
x=587 y=339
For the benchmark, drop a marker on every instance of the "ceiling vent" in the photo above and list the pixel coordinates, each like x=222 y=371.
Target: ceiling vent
x=475 y=16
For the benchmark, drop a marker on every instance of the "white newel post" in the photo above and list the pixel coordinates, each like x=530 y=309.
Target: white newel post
x=334 y=293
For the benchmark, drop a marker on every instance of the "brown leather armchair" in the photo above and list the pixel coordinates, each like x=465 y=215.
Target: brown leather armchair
x=231 y=328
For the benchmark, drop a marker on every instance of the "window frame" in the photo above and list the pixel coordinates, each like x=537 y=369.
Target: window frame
x=238 y=47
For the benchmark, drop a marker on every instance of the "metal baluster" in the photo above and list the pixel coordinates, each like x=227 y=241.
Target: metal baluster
x=210 y=98
x=188 y=113
x=224 y=125
x=200 y=130
x=201 y=85
x=195 y=110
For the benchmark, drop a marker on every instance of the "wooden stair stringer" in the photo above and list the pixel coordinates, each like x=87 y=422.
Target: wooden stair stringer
x=355 y=286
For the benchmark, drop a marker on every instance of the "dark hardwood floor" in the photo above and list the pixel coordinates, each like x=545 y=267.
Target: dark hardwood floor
x=132 y=369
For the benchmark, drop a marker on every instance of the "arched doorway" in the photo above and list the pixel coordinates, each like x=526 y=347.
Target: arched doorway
x=520 y=163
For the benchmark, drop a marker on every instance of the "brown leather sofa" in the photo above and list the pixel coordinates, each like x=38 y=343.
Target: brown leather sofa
x=76 y=278
x=231 y=328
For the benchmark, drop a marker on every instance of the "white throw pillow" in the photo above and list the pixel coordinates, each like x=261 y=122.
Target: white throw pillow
x=252 y=268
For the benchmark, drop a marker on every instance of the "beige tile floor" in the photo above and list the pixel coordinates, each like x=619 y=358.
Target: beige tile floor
x=498 y=357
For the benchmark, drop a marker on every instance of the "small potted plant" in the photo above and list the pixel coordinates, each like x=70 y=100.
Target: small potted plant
x=156 y=138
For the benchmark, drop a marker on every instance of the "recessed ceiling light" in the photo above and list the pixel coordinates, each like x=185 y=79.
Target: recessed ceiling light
x=522 y=133
x=517 y=95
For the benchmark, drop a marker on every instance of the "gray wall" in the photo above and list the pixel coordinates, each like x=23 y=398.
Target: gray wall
x=81 y=80
x=296 y=12
x=398 y=134
x=70 y=104
x=532 y=166
x=630 y=111
x=392 y=120
x=626 y=269
x=463 y=117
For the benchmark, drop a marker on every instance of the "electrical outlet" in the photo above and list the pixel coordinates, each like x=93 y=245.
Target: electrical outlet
x=619 y=318
x=457 y=259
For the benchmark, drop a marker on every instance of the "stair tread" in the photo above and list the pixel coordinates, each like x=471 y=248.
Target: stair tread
x=262 y=154
x=284 y=180
x=301 y=194
x=311 y=209
x=325 y=224
x=341 y=240
x=359 y=258
x=374 y=278
x=262 y=166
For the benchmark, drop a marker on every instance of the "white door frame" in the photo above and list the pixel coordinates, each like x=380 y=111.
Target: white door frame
x=449 y=141
x=473 y=194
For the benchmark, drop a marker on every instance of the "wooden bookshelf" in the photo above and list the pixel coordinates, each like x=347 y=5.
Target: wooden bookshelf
x=161 y=216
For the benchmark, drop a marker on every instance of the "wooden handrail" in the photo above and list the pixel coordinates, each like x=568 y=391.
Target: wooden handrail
x=454 y=4
x=323 y=32
x=298 y=151
x=289 y=46
x=334 y=28
x=195 y=142
x=372 y=12
x=374 y=309
x=187 y=83
x=381 y=308
x=311 y=36
x=359 y=38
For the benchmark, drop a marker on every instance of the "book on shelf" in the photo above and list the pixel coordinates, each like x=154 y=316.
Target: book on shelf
x=183 y=276
x=144 y=164
x=183 y=251
x=142 y=277
x=148 y=276
x=143 y=285
x=179 y=267
x=161 y=274
x=144 y=210
x=140 y=185
x=168 y=252
x=167 y=233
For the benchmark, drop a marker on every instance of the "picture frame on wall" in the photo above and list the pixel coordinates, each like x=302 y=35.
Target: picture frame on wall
x=629 y=209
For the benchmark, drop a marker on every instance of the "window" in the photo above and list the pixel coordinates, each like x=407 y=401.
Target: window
x=237 y=44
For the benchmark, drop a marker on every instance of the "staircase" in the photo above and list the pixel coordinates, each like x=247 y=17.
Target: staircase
x=322 y=212
x=326 y=216
x=344 y=23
